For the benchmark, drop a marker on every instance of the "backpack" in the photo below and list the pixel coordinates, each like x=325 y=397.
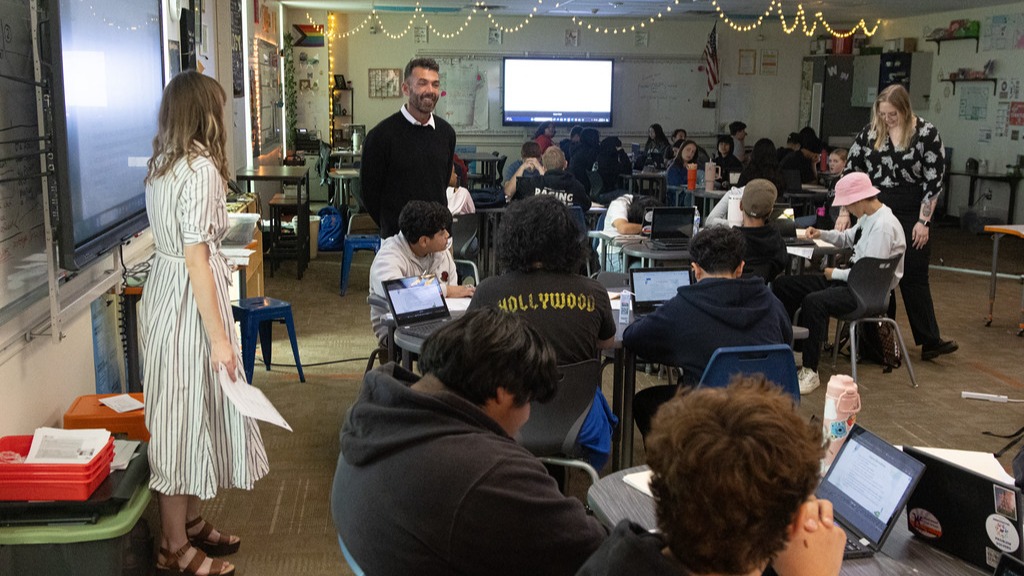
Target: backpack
x=332 y=230
x=878 y=343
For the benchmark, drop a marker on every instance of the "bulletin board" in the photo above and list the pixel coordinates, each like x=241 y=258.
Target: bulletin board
x=668 y=91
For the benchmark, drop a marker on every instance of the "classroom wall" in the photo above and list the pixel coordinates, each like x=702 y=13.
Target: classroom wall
x=963 y=135
x=754 y=99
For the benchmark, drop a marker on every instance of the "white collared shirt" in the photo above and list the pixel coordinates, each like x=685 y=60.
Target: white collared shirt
x=416 y=122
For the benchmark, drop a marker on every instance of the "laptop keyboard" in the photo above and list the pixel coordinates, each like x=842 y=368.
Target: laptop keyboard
x=855 y=549
x=423 y=330
x=663 y=245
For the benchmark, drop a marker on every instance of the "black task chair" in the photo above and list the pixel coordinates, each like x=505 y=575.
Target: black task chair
x=551 y=432
x=871 y=283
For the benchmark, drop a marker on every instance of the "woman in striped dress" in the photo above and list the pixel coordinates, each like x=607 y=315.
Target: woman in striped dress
x=199 y=440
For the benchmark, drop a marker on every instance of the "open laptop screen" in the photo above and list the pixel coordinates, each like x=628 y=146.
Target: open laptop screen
x=672 y=223
x=654 y=286
x=415 y=299
x=869 y=483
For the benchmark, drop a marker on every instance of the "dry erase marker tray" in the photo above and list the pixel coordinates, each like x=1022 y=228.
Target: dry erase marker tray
x=51 y=481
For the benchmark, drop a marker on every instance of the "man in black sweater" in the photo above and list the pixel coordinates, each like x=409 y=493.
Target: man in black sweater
x=408 y=155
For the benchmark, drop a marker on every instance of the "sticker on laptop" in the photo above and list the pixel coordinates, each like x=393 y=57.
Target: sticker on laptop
x=1002 y=533
x=924 y=523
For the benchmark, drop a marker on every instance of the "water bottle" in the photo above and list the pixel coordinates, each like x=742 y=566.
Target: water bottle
x=842 y=403
x=696 y=220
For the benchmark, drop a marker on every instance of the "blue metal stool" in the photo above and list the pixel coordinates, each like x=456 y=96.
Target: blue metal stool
x=257 y=316
x=355 y=242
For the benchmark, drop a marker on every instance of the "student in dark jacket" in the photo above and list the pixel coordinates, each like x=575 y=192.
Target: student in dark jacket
x=431 y=481
x=721 y=309
x=763 y=164
x=725 y=160
x=753 y=461
x=612 y=162
x=766 y=255
x=554 y=181
x=585 y=155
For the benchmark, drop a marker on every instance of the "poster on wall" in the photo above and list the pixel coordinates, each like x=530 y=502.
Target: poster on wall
x=237 y=67
x=1016 y=114
x=463 y=102
x=974 y=102
x=1002 y=32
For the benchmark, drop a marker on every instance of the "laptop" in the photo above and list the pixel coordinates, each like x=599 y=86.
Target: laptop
x=672 y=227
x=787 y=229
x=965 y=512
x=1009 y=566
x=652 y=287
x=868 y=484
x=417 y=305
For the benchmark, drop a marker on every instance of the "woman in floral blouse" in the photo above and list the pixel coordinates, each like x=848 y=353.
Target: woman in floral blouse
x=903 y=155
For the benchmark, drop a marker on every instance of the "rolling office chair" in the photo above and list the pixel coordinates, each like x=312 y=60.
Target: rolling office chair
x=870 y=281
x=553 y=427
x=775 y=361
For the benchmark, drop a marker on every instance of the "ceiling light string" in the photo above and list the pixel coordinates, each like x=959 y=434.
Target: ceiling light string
x=798 y=19
x=742 y=27
x=332 y=32
x=448 y=35
x=408 y=25
x=862 y=25
x=508 y=29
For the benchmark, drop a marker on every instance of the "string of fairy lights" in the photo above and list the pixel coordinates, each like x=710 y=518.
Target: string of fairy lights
x=800 y=20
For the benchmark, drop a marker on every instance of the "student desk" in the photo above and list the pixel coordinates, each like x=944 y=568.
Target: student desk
x=649 y=255
x=488 y=173
x=1012 y=180
x=612 y=500
x=345 y=177
x=998 y=232
x=647 y=183
x=281 y=248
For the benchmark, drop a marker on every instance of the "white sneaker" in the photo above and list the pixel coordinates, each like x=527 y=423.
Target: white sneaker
x=808 y=379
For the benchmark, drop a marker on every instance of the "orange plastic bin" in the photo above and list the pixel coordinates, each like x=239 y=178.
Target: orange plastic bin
x=87 y=412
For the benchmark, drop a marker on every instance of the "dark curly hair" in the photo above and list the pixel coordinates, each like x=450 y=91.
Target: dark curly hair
x=541 y=232
x=486 y=349
x=421 y=218
x=764 y=163
x=718 y=249
x=750 y=460
x=639 y=206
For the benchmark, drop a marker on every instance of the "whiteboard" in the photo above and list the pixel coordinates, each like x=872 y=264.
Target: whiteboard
x=668 y=91
x=22 y=233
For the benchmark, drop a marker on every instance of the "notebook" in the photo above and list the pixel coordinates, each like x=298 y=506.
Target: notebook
x=417 y=305
x=868 y=484
x=652 y=287
x=672 y=227
x=1009 y=566
x=960 y=509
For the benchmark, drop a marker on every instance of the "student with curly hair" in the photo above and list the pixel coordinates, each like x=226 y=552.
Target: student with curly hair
x=540 y=249
x=753 y=462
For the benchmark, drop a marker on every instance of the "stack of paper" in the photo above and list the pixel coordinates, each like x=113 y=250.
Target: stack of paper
x=58 y=446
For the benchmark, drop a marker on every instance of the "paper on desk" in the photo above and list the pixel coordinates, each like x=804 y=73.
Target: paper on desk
x=122 y=403
x=983 y=463
x=124 y=451
x=640 y=480
x=250 y=400
x=58 y=446
x=801 y=251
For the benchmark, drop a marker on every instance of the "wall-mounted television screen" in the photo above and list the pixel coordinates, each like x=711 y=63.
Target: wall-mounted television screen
x=107 y=81
x=563 y=91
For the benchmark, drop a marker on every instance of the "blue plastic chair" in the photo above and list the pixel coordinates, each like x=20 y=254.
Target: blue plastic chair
x=348 y=558
x=775 y=361
x=257 y=316
x=354 y=243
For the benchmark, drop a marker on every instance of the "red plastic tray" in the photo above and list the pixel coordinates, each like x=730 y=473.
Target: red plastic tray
x=51 y=481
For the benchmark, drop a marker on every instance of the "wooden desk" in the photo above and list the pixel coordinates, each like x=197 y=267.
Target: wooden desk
x=997 y=233
x=281 y=248
x=612 y=500
x=1012 y=180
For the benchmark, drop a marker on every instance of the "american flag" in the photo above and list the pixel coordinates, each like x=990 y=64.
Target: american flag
x=711 y=58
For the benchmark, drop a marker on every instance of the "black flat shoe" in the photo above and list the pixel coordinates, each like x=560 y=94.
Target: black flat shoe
x=929 y=352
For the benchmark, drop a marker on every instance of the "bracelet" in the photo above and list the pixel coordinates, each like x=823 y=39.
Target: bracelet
x=927 y=223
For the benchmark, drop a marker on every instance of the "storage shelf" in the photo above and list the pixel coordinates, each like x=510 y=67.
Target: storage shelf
x=939 y=41
x=994 y=82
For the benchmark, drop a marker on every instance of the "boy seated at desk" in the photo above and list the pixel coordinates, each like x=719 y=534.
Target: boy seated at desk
x=420 y=248
x=752 y=462
x=765 y=255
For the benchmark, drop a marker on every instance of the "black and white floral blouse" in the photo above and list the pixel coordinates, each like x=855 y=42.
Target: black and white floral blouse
x=922 y=164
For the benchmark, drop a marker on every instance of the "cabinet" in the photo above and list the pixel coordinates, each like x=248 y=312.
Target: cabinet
x=913 y=70
x=826 y=96
x=865 y=80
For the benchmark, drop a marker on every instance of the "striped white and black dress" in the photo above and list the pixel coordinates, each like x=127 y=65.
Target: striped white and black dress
x=199 y=440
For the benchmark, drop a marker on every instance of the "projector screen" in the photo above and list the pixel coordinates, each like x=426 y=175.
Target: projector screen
x=566 y=92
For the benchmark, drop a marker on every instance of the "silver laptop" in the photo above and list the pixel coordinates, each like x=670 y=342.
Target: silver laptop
x=652 y=287
x=417 y=305
x=672 y=227
x=868 y=484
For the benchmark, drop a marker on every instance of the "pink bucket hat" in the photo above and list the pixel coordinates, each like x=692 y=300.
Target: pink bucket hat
x=853 y=187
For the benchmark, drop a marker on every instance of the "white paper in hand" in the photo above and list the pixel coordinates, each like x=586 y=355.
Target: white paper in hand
x=122 y=403
x=250 y=400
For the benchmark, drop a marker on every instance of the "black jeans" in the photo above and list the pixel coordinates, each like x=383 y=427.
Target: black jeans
x=905 y=203
x=817 y=299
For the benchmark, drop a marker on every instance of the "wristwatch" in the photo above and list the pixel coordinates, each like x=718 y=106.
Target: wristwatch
x=927 y=223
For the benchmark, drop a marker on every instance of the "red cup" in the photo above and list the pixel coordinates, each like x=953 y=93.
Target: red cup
x=691 y=176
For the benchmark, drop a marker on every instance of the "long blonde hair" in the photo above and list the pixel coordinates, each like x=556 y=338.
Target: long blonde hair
x=896 y=95
x=191 y=119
